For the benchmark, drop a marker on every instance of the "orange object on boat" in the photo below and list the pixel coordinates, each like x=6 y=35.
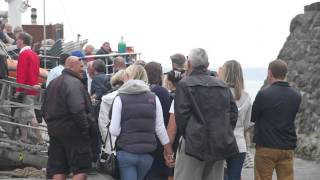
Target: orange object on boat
x=130 y=49
x=12 y=67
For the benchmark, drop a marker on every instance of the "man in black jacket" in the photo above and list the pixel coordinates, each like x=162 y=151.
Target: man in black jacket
x=106 y=49
x=67 y=112
x=274 y=111
x=206 y=114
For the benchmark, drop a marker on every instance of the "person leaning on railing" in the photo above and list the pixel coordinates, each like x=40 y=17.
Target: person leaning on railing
x=27 y=73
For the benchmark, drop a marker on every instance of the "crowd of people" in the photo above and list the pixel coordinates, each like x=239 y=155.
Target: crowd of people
x=8 y=35
x=188 y=123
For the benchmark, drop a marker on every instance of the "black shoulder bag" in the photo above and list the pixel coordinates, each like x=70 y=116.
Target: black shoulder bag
x=107 y=162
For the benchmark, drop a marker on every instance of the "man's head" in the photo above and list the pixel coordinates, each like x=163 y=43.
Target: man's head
x=178 y=61
x=197 y=59
x=277 y=71
x=23 y=39
x=154 y=72
x=8 y=28
x=106 y=47
x=99 y=66
x=63 y=58
x=74 y=64
x=119 y=63
x=17 y=30
x=89 y=49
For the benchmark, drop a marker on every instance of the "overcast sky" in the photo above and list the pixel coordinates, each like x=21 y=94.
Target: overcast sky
x=250 y=31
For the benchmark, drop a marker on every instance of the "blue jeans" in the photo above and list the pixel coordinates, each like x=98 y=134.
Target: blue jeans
x=133 y=166
x=234 y=166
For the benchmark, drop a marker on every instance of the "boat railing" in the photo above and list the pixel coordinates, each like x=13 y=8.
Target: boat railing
x=129 y=58
x=8 y=87
x=8 y=105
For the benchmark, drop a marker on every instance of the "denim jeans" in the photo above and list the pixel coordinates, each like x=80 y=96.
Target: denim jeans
x=234 y=167
x=133 y=166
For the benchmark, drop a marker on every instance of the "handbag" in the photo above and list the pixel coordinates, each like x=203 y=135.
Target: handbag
x=107 y=162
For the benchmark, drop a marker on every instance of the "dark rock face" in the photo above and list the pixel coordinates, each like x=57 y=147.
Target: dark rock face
x=302 y=53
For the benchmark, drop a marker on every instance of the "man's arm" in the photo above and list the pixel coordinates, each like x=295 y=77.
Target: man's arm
x=8 y=38
x=98 y=87
x=76 y=105
x=182 y=107
x=233 y=111
x=256 y=108
x=22 y=71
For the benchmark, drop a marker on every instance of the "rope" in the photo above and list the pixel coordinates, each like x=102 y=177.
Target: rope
x=28 y=172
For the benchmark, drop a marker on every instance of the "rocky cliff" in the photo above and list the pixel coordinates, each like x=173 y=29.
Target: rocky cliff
x=302 y=53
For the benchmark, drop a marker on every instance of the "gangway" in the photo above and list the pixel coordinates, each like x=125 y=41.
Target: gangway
x=11 y=148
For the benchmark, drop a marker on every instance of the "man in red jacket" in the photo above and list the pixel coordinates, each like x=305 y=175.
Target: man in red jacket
x=27 y=73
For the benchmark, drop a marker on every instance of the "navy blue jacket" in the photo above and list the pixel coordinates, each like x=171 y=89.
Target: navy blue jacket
x=100 y=85
x=159 y=168
x=274 y=111
x=164 y=99
x=138 y=121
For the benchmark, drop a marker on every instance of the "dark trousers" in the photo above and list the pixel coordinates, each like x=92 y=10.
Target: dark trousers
x=68 y=154
x=95 y=141
x=234 y=167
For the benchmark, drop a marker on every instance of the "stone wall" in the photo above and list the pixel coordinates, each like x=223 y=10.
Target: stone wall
x=302 y=53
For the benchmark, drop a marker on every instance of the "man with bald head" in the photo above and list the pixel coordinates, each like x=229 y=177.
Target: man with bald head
x=67 y=112
x=89 y=50
x=118 y=64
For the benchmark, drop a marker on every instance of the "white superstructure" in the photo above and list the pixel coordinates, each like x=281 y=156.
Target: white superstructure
x=15 y=9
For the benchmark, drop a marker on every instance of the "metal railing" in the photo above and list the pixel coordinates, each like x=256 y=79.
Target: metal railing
x=129 y=58
x=8 y=86
x=8 y=122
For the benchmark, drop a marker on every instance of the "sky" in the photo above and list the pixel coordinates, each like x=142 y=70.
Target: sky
x=249 y=31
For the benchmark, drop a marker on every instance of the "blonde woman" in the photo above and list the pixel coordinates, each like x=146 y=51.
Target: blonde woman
x=231 y=73
x=136 y=120
x=106 y=102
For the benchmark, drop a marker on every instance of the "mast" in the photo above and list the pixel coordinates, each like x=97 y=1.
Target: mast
x=44 y=34
x=14 y=12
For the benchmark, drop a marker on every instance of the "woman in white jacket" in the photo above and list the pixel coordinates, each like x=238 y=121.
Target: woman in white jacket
x=106 y=102
x=231 y=73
